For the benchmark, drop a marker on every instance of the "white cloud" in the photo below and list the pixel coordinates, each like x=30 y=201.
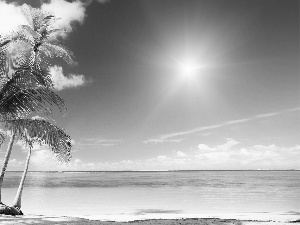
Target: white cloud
x=99 y=142
x=180 y=154
x=203 y=147
x=171 y=136
x=236 y=121
x=217 y=154
x=41 y=157
x=44 y=159
x=10 y=17
x=204 y=157
x=253 y=157
x=68 y=12
x=77 y=161
x=267 y=115
x=161 y=157
x=62 y=82
x=35 y=146
x=228 y=145
x=214 y=158
x=155 y=141
x=271 y=155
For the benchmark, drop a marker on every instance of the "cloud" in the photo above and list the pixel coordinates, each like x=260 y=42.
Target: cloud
x=77 y=161
x=10 y=17
x=169 y=137
x=203 y=147
x=236 y=121
x=45 y=160
x=99 y=142
x=252 y=157
x=63 y=82
x=228 y=145
x=42 y=157
x=180 y=154
x=14 y=164
x=67 y=12
x=161 y=157
x=270 y=155
x=206 y=157
x=70 y=13
x=35 y=146
x=155 y=141
x=218 y=153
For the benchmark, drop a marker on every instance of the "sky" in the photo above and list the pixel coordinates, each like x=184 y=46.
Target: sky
x=174 y=84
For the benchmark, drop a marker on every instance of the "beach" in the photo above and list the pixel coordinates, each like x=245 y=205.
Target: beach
x=51 y=220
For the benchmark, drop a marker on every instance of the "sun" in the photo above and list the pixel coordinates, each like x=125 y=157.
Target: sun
x=188 y=69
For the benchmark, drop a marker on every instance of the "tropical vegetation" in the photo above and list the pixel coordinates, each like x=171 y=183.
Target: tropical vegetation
x=26 y=90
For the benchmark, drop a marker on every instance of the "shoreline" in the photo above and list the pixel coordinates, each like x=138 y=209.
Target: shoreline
x=66 y=220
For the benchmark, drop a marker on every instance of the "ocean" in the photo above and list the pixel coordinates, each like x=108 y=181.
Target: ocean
x=124 y=196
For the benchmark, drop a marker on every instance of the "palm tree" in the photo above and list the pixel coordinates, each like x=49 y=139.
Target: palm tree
x=43 y=133
x=17 y=100
x=25 y=93
x=29 y=89
x=37 y=37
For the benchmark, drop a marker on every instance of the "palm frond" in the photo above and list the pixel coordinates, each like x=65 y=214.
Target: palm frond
x=36 y=34
x=25 y=94
x=44 y=133
x=54 y=50
x=32 y=15
x=3 y=69
x=20 y=36
x=3 y=44
x=51 y=31
x=35 y=75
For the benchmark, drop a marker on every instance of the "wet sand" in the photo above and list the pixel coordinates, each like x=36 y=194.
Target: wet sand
x=51 y=220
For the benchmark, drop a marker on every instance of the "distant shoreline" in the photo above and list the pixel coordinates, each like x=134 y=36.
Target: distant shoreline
x=51 y=220
x=125 y=171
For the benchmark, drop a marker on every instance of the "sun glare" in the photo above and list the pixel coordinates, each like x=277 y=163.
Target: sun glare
x=188 y=69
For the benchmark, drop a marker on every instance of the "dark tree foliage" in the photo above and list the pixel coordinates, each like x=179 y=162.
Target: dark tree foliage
x=29 y=130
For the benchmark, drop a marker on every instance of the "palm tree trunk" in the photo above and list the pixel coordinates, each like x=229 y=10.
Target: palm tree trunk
x=6 y=159
x=17 y=201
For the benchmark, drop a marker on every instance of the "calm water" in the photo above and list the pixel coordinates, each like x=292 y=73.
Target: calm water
x=142 y=195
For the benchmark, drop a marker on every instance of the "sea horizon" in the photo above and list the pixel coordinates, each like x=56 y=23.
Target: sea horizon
x=99 y=171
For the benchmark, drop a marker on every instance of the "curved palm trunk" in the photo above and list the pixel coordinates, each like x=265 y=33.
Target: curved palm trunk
x=17 y=201
x=6 y=159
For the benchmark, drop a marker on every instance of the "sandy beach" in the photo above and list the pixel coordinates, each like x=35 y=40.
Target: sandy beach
x=49 y=220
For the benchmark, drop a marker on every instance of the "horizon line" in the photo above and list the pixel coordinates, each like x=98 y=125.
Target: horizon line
x=97 y=171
